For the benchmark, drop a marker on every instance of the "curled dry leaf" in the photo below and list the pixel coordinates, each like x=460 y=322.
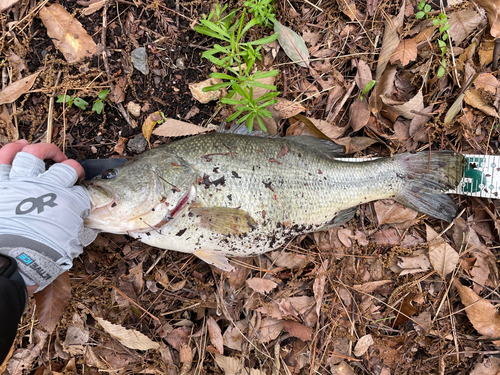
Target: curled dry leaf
x=492 y=8
x=176 y=128
x=287 y=108
x=261 y=285
x=52 y=300
x=22 y=360
x=442 y=256
x=215 y=335
x=414 y=104
x=94 y=7
x=473 y=98
x=481 y=313
x=67 y=34
x=489 y=366
x=16 y=89
x=293 y=44
x=149 y=124
x=390 y=212
x=326 y=128
x=405 y=53
x=362 y=345
x=205 y=97
x=127 y=337
x=462 y=23
x=319 y=285
x=6 y=4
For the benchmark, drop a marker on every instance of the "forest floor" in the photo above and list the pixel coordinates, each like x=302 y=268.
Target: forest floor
x=391 y=291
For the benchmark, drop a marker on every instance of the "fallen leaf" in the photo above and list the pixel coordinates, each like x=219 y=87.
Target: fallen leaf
x=290 y=260
x=414 y=104
x=372 y=6
x=363 y=75
x=22 y=360
x=269 y=329
x=443 y=257
x=325 y=127
x=215 y=335
x=343 y=368
x=310 y=37
x=293 y=44
x=455 y=108
x=405 y=53
x=6 y=4
x=298 y=330
x=390 y=212
x=422 y=322
x=261 y=285
x=362 y=345
x=372 y=286
x=52 y=300
x=120 y=145
x=319 y=285
x=387 y=236
x=492 y=8
x=130 y=338
x=94 y=7
x=481 y=313
x=149 y=124
x=176 y=128
x=488 y=366
x=348 y=8
x=233 y=337
x=417 y=124
x=76 y=336
x=205 y=97
x=462 y=23
x=360 y=114
x=16 y=89
x=487 y=82
x=390 y=41
x=355 y=144
x=413 y=264
x=473 y=98
x=287 y=108
x=178 y=337
x=383 y=86
x=234 y=366
x=67 y=33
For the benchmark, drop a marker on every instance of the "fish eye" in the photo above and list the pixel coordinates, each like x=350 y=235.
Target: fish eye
x=109 y=174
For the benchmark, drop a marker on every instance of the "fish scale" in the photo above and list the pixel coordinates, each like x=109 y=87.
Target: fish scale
x=250 y=195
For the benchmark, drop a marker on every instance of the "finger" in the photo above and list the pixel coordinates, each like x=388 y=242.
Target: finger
x=60 y=174
x=45 y=151
x=4 y=172
x=9 y=151
x=26 y=165
x=76 y=166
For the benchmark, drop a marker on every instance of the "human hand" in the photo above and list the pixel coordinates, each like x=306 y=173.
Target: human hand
x=41 y=212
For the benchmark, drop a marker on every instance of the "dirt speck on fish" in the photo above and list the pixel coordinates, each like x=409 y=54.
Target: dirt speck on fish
x=219 y=195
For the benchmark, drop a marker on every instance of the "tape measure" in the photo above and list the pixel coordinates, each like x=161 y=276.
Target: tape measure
x=481 y=177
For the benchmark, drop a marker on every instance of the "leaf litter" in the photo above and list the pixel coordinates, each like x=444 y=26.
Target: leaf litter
x=375 y=295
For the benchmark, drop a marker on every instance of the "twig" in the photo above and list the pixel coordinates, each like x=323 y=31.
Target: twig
x=51 y=109
x=122 y=110
x=135 y=303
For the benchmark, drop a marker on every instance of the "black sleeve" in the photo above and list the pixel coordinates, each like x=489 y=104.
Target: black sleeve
x=12 y=304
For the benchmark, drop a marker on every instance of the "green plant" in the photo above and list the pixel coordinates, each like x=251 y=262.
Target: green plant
x=82 y=104
x=442 y=22
x=238 y=58
x=367 y=88
x=262 y=10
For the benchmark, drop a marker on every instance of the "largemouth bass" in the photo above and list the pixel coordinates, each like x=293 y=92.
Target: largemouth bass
x=219 y=195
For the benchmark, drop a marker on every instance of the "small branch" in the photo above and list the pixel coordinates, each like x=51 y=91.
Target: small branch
x=51 y=109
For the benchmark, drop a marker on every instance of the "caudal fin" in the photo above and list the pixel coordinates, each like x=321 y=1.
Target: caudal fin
x=427 y=177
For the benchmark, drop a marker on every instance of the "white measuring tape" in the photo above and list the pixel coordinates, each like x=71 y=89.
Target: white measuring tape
x=481 y=177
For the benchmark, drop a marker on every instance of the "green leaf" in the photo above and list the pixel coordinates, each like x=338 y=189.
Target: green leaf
x=293 y=44
x=442 y=68
x=63 y=98
x=80 y=103
x=445 y=37
x=435 y=21
x=262 y=85
x=427 y=8
x=421 y=5
x=261 y=124
x=240 y=91
x=98 y=106
x=271 y=73
x=368 y=87
x=267 y=96
x=103 y=94
x=216 y=87
x=213 y=34
x=230 y=101
x=420 y=15
x=447 y=27
x=266 y=40
x=222 y=76
x=441 y=43
x=235 y=115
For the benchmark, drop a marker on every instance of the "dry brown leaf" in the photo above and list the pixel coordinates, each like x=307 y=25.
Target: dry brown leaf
x=343 y=368
x=16 y=89
x=417 y=123
x=390 y=212
x=269 y=329
x=130 y=338
x=360 y=114
x=77 y=335
x=52 y=300
x=6 y=4
x=462 y=23
x=387 y=236
x=372 y=6
x=473 y=98
x=413 y=264
x=383 y=86
x=291 y=260
x=492 y=8
x=287 y=108
x=311 y=37
x=205 y=97
x=22 y=360
x=487 y=82
x=442 y=256
x=234 y=366
x=67 y=33
x=362 y=345
x=481 y=313
x=298 y=330
x=293 y=44
x=348 y=8
x=363 y=74
x=319 y=285
x=414 y=104
x=355 y=144
x=233 y=337
x=405 y=53
x=215 y=335
x=94 y=7
x=178 y=337
x=149 y=124
x=326 y=128
x=261 y=285
x=489 y=366
x=120 y=146
x=372 y=286
x=176 y=128
x=390 y=41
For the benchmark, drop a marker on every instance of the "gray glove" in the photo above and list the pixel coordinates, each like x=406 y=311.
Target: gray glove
x=41 y=218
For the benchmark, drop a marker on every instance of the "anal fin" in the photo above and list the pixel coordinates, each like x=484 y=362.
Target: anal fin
x=342 y=217
x=216 y=259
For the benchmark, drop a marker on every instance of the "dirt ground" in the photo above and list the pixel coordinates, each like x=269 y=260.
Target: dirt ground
x=368 y=297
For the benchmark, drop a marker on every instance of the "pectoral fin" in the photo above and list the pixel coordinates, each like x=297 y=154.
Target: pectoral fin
x=218 y=260
x=224 y=220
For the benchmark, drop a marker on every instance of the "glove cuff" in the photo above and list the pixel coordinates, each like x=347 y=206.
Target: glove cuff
x=36 y=262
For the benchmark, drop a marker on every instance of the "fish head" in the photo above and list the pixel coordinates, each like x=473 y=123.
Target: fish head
x=144 y=193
